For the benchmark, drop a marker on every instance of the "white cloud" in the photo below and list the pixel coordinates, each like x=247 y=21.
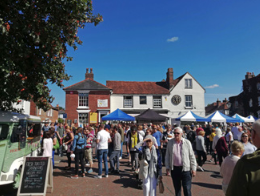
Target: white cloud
x=173 y=39
x=212 y=86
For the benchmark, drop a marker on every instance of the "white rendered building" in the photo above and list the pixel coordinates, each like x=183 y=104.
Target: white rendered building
x=172 y=98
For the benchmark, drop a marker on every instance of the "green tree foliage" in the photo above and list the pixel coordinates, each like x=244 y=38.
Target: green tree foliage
x=34 y=36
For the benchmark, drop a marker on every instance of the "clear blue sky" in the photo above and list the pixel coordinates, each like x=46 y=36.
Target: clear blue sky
x=217 y=41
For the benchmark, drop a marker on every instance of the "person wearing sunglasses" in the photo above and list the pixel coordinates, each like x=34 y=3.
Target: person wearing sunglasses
x=180 y=161
x=245 y=179
x=249 y=148
x=150 y=168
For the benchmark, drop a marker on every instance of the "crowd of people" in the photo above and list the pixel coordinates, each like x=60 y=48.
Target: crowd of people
x=149 y=147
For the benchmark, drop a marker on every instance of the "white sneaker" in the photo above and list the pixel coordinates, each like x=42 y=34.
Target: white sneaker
x=87 y=165
x=98 y=176
x=106 y=176
x=120 y=157
x=200 y=168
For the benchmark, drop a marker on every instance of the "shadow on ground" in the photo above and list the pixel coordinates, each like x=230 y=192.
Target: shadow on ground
x=207 y=185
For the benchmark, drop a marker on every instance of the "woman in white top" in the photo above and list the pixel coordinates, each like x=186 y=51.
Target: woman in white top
x=229 y=139
x=47 y=145
x=249 y=148
x=229 y=164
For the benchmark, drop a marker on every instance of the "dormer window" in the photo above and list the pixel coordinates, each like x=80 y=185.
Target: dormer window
x=188 y=83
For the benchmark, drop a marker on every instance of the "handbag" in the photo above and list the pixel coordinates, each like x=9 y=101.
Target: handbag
x=161 y=187
x=65 y=147
x=57 y=146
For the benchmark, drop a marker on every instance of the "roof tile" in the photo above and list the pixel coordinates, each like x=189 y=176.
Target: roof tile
x=126 y=87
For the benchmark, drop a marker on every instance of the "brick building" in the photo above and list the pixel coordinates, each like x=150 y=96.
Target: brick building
x=49 y=116
x=222 y=107
x=248 y=102
x=87 y=101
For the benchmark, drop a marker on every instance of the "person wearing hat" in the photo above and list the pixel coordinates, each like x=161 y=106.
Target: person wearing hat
x=148 y=157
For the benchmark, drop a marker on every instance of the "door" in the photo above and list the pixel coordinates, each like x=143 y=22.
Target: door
x=4 y=128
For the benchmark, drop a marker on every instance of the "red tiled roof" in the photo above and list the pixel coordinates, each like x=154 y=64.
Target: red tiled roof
x=214 y=106
x=125 y=87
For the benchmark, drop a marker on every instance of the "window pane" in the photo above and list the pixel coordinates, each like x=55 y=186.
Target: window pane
x=157 y=101
x=142 y=99
x=83 y=99
x=188 y=100
x=128 y=102
x=3 y=131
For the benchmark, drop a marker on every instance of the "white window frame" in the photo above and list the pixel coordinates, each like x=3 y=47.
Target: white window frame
x=236 y=104
x=188 y=101
x=128 y=103
x=145 y=100
x=250 y=103
x=226 y=112
x=188 y=83
x=79 y=120
x=83 y=96
x=40 y=111
x=157 y=101
x=258 y=85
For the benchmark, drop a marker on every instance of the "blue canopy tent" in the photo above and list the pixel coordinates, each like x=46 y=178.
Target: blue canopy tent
x=190 y=116
x=252 y=118
x=118 y=115
x=219 y=117
x=241 y=118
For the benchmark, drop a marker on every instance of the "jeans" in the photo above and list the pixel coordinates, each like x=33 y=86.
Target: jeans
x=121 y=152
x=114 y=158
x=79 y=157
x=183 y=178
x=221 y=155
x=53 y=152
x=201 y=154
x=134 y=158
x=69 y=159
x=102 y=154
x=207 y=142
x=60 y=150
x=163 y=150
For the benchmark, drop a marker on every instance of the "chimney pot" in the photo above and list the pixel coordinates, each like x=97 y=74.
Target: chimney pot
x=87 y=70
x=89 y=75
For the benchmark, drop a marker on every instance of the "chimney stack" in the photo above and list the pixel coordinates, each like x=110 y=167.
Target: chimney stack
x=218 y=103
x=89 y=76
x=169 y=77
x=249 y=75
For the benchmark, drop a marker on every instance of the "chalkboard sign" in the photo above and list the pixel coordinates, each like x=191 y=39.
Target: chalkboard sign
x=36 y=175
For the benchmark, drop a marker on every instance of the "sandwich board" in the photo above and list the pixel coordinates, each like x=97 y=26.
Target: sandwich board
x=36 y=176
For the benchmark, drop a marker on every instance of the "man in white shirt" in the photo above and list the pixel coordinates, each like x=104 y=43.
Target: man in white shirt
x=236 y=132
x=103 y=137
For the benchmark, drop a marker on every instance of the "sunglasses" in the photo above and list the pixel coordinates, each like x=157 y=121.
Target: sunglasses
x=176 y=133
x=148 y=141
x=244 y=136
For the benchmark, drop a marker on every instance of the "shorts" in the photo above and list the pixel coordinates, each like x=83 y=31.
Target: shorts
x=88 y=154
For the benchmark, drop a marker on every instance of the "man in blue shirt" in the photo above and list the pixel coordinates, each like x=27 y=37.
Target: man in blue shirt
x=158 y=136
